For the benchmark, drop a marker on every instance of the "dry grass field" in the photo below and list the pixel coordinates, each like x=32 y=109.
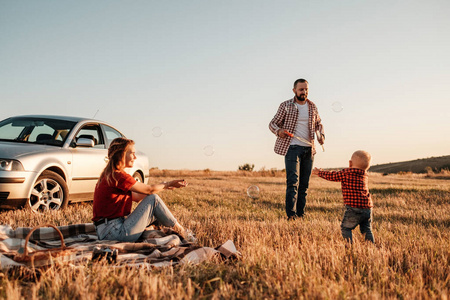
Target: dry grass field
x=281 y=260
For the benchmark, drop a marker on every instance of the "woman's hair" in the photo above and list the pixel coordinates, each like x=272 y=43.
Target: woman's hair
x=116 y=158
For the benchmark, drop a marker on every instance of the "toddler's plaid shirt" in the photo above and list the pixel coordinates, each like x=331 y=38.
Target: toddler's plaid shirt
x=355 y=186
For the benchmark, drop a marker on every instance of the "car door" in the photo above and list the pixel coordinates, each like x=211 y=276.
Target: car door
x=88 y=162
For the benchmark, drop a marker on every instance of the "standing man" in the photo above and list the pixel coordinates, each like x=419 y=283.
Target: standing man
x=298 y=116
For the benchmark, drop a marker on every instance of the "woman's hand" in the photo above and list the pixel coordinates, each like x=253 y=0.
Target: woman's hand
x=140 y=190
x=175 y=184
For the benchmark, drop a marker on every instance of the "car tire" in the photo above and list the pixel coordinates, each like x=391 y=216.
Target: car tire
x=49 y=192
x=138 y=177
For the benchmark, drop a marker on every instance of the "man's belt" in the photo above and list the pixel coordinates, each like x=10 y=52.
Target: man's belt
x=103 y=221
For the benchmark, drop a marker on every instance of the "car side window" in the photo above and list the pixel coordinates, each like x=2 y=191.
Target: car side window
x=93 y=132
x=111 y=133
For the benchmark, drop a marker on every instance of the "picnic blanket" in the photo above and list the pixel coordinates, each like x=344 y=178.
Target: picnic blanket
x=157 y=247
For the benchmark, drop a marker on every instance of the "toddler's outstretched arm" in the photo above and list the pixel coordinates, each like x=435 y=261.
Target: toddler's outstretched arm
x=315 y=171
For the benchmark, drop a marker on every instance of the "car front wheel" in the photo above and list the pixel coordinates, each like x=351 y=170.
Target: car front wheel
x=49 y=192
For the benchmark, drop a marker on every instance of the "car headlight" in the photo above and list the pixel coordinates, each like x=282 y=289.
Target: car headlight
x=10 y=165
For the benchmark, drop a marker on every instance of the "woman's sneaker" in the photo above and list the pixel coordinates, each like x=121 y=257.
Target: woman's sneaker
x=190 y=236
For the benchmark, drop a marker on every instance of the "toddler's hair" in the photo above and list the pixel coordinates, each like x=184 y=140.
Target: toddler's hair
x=362 y=159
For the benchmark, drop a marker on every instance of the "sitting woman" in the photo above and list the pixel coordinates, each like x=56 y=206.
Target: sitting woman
x=115 y=192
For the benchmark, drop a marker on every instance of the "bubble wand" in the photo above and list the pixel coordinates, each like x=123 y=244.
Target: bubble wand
x=301 y=139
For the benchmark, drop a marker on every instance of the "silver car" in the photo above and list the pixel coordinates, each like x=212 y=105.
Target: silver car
x=48 y=161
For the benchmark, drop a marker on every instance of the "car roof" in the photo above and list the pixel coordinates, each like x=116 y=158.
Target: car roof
x=67 y=118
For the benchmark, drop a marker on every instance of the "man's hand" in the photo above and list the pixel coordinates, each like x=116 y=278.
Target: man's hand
x=282 y=133
x=320 y=138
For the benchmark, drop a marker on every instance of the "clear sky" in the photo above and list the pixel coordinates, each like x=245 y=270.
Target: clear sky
x=211 y=74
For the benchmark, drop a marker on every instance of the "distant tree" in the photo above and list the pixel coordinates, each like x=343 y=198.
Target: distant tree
x=247 y=167
x=429 y=170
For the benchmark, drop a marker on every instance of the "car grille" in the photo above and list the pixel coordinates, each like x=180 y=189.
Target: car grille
x=4 y=196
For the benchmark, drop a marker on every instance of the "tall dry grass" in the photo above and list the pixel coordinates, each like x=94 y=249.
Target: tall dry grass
x=281 y=260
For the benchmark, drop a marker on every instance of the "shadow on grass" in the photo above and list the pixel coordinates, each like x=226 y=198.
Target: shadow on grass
x=406 y=220
x=339 y=209
x=430 y=196
x=217 y=203
x=396 y=191
x=269 y=204
x=327 y=191
x=265 y=183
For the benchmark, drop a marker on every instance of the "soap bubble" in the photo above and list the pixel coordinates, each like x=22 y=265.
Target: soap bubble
x=337 y=106
x=157 y=131
x=208 y=150
x=253 y=192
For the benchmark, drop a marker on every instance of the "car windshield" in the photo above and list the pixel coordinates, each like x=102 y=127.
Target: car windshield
x=35 y=130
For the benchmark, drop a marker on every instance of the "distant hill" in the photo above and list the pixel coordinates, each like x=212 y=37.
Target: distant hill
x=414 y=166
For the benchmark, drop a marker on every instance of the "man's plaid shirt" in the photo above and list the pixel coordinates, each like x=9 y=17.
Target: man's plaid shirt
x=287 y=117
x=355 y=186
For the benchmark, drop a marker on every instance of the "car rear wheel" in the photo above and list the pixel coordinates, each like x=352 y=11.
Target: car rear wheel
x=138 y=177
x=49 y=192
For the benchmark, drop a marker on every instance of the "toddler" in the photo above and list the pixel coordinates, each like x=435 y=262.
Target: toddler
x=355 y=190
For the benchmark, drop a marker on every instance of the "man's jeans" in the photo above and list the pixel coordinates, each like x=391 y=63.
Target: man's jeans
x=129 y=229
x=357 y=216
x=298 y=161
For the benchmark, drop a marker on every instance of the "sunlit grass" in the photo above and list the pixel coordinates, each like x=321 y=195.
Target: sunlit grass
x=306 y=258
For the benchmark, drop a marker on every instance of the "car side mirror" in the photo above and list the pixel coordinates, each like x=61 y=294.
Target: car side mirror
x=83 y=142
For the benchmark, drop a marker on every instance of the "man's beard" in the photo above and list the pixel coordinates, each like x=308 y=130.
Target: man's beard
x=301 y=97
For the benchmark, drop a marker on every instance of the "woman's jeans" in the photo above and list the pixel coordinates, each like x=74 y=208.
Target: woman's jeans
x=298 y=161
x=357 y=216
x=129 y=229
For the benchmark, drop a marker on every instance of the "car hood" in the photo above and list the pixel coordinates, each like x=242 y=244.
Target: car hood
x=16 y=150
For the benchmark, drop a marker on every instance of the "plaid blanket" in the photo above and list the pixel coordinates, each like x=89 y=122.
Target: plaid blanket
x=156 y=247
